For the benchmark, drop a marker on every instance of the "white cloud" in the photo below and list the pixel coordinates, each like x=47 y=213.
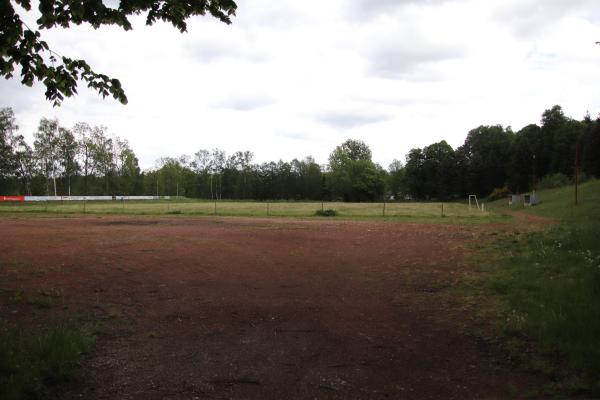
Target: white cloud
x=350 y=119
x=289 y=79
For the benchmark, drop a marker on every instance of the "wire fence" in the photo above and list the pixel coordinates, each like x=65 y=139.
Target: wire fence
x=246 y=208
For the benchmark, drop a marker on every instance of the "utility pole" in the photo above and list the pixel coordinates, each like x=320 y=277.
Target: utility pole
x=576 y=170
x=534 y=173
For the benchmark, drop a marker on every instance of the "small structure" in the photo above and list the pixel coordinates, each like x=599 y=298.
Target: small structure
x=513 y=199
x=530 y=199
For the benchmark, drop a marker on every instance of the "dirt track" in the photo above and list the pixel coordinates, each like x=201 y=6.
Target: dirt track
x=258 y=308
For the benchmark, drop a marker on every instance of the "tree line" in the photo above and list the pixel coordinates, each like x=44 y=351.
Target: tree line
x=496 y=157
x=85 y=160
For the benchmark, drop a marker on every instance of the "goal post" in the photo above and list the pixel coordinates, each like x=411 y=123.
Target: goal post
x=473 y=201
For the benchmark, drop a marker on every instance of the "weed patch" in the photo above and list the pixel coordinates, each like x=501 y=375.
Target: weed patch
x=29 y=362
x=41 y=302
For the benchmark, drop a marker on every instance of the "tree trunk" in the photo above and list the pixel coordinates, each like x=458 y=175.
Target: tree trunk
x=47 y=173
x=85 y=176
x=54 y=176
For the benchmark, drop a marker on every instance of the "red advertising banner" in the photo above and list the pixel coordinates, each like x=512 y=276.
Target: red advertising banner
x=12 y=198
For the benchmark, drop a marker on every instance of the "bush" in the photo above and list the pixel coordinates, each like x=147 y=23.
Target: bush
x=326 y=213
x=498 y=193
x=554 y=181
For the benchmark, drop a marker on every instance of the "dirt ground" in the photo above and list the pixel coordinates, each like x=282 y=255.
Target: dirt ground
x=240 y=308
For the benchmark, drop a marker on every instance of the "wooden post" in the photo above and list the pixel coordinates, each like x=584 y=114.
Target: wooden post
x=576 y=170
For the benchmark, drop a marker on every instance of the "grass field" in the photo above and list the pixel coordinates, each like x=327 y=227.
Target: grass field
x=251 y=208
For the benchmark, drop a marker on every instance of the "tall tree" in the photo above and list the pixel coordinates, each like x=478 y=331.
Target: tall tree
x=353 y=175
x=524 y=159
x=85 y=150
x=591 y=149
x=25 y=163
x=485 y=158
x=67 y=154
x=202 y=165
x=218 y=165
x=439 y=170
x=172 y=173
x=46 y=150
x=553 y=121
x=8 y=129
x=127 y=168
x=414 y=171
x=397 y=179
x=102 y=155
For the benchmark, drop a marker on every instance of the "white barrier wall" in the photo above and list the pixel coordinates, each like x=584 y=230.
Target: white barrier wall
x=137 y=198
x=88 y=198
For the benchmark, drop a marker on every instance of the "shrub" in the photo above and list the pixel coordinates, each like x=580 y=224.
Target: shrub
x=326 y=213
x=498 y=193
x=552 y=181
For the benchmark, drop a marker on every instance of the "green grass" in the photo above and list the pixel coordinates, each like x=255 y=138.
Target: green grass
x=453 y=210
x=29 y=362
x=549 y=286
x=560 y=203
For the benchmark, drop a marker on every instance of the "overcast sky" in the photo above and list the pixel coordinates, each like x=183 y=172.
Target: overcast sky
x=294 y=78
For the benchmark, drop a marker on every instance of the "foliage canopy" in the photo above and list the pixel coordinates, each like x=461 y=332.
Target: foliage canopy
x=22 y=47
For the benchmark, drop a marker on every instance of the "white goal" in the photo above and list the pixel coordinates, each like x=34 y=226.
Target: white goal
x=473 y=201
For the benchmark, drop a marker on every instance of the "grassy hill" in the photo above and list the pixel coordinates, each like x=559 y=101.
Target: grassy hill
x=559 y=203
x=550 y=288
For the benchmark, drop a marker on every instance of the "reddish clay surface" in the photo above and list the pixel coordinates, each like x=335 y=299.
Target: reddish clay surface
x=230 y=308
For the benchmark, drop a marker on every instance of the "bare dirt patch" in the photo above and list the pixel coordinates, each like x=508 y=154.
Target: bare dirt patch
x=257 y=308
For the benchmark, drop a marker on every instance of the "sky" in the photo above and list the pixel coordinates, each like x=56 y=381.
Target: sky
x=289 y=78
